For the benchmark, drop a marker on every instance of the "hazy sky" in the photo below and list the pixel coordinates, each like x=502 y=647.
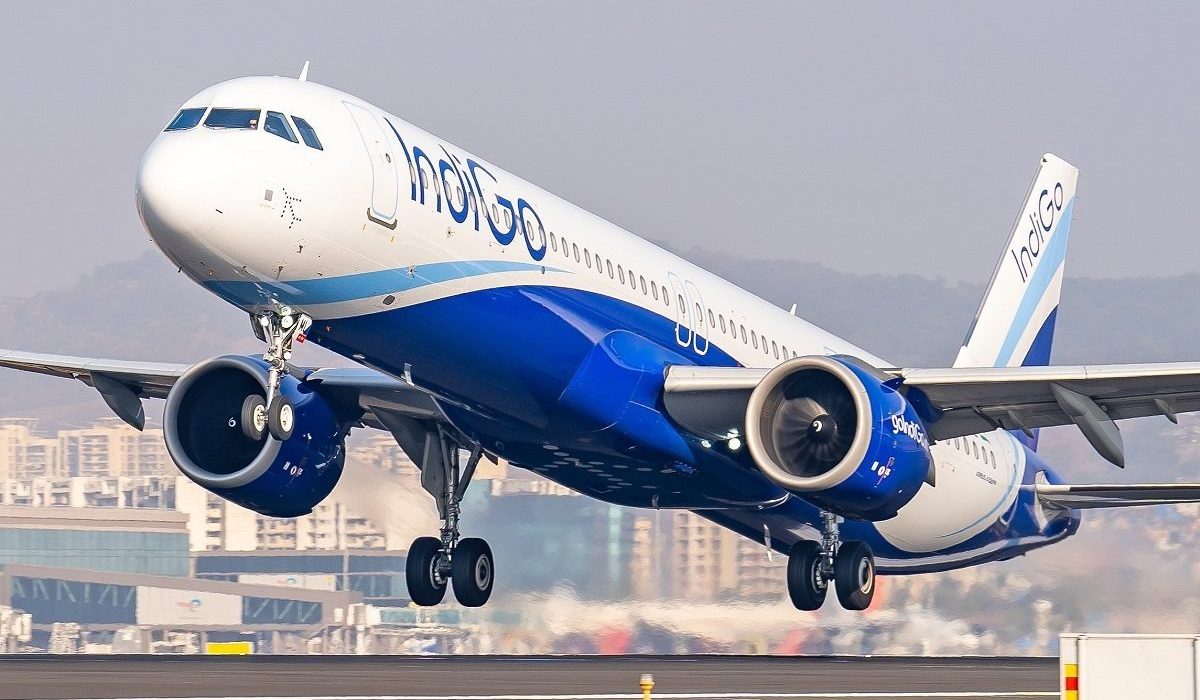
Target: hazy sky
x=870 y=136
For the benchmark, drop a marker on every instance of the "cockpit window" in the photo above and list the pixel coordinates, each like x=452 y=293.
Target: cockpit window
x=308 y=134
x=276 y=124
x=232 y=119
x=186 y=119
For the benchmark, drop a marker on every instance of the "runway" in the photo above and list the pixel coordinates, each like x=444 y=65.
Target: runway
x=524 y=678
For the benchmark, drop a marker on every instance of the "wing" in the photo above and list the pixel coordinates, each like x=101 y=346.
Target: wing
x=971 y=400
x=1115 y=495
x=147 y=379
x=711 y=401
x=382 y=398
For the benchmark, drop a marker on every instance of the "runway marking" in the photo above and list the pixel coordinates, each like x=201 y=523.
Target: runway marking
x=876 y=695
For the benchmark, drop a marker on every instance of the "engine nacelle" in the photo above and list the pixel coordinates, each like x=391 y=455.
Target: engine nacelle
x=204 y=437
x=832 y=430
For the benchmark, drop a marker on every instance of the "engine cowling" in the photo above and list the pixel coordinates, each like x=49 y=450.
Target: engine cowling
x=832 y=430
x=204 y=437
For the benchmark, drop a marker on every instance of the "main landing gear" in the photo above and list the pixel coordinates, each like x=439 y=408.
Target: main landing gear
x=279 y=329
x=850 y=566
x=465 y=563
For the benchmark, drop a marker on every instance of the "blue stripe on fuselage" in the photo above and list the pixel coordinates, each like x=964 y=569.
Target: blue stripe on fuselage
x=364 y=285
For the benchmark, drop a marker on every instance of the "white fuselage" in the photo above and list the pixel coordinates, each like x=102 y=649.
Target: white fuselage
x=366 y=225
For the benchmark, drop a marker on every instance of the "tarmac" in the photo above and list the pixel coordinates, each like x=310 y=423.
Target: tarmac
x=525 y=678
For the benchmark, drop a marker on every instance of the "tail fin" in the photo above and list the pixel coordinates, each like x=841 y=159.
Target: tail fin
x=1015 y=323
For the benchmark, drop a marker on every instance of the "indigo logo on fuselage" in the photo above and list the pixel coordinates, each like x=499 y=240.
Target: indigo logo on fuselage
x=470 y=197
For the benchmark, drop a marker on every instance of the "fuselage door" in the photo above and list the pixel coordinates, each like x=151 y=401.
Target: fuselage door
x=385 y=186
x=683 y=327
x=700 y=329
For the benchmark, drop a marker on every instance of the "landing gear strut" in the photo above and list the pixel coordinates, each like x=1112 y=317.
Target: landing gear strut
x=278 y=328
x=465 y=563
x=812 y=566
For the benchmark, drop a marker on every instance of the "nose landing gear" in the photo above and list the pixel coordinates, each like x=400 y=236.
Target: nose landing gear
x=812 y=566
x=279 y=329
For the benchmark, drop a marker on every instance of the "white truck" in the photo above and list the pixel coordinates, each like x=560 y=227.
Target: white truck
x=1129 y=666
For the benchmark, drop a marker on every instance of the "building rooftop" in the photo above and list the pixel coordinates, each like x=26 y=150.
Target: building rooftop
x=72 y=518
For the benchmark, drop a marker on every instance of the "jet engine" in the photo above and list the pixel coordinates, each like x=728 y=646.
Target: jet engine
x=836 y=432
x=203 y=428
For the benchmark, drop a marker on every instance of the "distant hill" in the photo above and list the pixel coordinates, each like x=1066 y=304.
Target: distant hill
x=144 y=309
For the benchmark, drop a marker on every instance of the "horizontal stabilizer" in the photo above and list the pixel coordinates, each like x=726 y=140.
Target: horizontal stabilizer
x=1115 y=495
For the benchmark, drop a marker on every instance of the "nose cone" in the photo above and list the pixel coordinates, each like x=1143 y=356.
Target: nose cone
x=177 y=193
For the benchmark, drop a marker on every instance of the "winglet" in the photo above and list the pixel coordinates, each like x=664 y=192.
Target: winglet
x=304 y=72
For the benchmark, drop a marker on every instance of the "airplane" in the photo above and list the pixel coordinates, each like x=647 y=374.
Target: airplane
x=490 y=319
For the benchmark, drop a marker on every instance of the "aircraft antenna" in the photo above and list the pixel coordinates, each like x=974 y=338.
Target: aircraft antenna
x=304 y=72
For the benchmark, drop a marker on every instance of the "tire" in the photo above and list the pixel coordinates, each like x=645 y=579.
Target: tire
x=254 y=417
x=806 y=587
x=281 y=418
x=419 y=571
x=473 y=572
x=854 y=575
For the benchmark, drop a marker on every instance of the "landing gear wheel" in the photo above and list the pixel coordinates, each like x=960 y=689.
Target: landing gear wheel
x=426 y=586
x=854 y=575
x=281 y=418
x=806 y=585
x=472 y=571
x=254 y=417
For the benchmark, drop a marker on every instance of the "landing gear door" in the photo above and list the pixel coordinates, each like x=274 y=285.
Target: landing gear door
x=385 y=185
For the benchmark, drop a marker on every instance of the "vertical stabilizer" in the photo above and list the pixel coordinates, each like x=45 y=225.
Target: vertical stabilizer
x=1015 y=323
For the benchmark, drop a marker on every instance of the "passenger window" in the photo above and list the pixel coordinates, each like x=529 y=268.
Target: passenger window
x=744 y=334
x=621 y=274
x=232 y=119
x=575 y=248
x=667 y=296
x=587 y=258
x=186 y=119
x=785 y=355
x=754 y=339
x=712 y=322
x=608 y=266
x=553 y=242
x=721 y=318
x=495 y=211
x=775 y=349
x=276 y=124
x=308 y=133
x=975 y=448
